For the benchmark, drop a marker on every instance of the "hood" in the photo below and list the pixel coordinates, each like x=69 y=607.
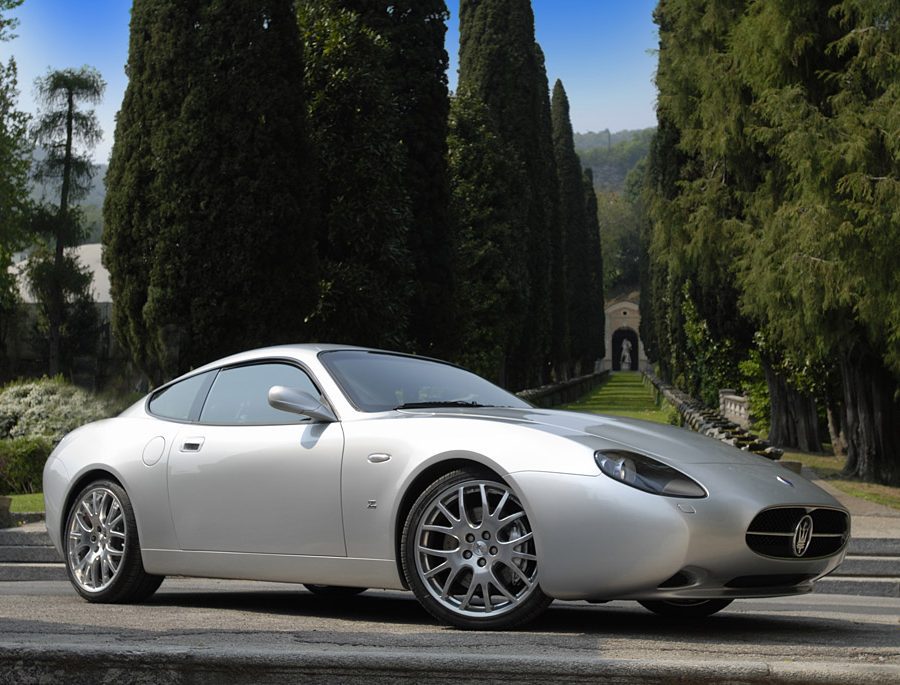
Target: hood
x=669 y=443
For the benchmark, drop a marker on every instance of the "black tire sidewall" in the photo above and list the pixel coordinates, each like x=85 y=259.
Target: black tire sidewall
x=530 y=607
x=131 y=571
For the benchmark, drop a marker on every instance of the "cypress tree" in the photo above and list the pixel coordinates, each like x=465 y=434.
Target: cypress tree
x=576 y=306
x=594 y=300
x=366 y=287
x=15 y=148
x=416 y=73
x=502 y=66
x=493 y=288
x=209 y=239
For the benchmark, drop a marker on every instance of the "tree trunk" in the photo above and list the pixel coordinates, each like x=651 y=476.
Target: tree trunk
x=794 y=418
x=56 y=303
x=872 y=417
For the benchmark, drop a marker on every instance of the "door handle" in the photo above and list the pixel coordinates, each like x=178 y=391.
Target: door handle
x=192 y=444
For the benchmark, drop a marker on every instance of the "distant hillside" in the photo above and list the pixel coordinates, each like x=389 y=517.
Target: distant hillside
x=612 y=156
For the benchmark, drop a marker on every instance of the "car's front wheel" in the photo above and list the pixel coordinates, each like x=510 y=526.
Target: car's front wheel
x=685 y=608
x=469 y=553
x=103 y=555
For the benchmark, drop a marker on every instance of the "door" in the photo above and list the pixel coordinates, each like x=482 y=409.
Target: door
x=250 y=478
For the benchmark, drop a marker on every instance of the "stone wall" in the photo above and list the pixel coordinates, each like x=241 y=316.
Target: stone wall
x=710 y=422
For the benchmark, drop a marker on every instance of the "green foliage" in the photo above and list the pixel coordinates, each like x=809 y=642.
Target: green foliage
x=60 y=286
x=594 y=322
x=49 y=408
x=492 y=296
x=415 y=73
x=79 y=323
x=209 y=229
x=753 y=383
x=501 y=65
x=365 y=287
x=710 y=361
x=14 y=164
x=773 y=186
x=579 y=302
x=22 y=464
x=620 y=236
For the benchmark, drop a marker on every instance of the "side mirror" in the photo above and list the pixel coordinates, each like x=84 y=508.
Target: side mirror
x=300 y=402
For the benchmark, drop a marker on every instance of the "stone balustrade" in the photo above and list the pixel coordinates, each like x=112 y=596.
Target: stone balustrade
x=735 y=407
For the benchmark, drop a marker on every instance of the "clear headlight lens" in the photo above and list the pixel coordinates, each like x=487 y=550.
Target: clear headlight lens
x=646 y=474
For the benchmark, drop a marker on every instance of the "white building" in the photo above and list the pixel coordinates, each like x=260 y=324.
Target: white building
x=624 y=349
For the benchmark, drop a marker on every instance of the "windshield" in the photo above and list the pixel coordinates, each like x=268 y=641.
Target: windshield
x=379 y=381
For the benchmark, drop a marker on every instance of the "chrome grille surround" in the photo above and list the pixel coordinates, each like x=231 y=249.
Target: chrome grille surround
x=785 y=532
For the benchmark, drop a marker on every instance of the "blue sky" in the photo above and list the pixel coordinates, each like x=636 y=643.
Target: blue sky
x=599 y=48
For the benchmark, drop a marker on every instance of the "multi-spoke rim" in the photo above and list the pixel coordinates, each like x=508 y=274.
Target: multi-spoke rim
x=475 y=549
x=97 y=539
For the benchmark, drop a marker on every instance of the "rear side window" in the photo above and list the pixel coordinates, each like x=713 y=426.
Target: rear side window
x=176 y=401
x=240 y=396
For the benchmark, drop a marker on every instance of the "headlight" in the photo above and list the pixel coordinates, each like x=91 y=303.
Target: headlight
x=646 y=474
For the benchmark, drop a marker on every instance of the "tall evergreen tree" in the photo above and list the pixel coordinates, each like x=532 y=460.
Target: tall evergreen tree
x=366 y=286
x=594 y=311
x=492 y=296
x=14 y=164
x=60 y=128
x=578 y=303
x=416 y=74
x=209 y=237
x=502 y=66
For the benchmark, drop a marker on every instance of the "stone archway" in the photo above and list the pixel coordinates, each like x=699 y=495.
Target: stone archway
x=618 y=338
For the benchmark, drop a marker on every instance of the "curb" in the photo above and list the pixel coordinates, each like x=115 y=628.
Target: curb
x=72 y=663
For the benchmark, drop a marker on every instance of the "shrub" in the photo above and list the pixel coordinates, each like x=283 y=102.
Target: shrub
x=48 y=407
x=22 y=464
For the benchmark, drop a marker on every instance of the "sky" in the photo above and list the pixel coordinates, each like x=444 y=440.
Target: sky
x=600 y=49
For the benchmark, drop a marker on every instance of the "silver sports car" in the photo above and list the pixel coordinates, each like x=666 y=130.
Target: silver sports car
x=346 y=468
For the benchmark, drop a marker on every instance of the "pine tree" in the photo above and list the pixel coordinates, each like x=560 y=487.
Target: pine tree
x=61 y=126
x=502 y=66
x=366 y=287
x=209 y=235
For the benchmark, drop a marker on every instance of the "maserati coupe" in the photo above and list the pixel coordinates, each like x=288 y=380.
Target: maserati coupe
x=344 y=468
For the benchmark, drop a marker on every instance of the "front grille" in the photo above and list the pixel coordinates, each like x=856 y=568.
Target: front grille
x=772 y=581
x=773 y=533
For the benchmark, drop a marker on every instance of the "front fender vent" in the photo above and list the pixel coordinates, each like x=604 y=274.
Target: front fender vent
x=799 y=532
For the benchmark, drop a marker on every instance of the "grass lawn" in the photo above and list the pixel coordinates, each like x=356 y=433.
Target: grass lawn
x=829 y=468
x=624 y=394
x=27 y=503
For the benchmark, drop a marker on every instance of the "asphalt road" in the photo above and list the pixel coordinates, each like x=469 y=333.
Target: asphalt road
x=232 y=631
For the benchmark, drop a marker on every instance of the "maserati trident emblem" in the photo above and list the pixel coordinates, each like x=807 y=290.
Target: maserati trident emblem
x=803 y=535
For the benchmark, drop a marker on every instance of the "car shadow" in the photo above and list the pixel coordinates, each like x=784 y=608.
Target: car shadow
x=568 y=620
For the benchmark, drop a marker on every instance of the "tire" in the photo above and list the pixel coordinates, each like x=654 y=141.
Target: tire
x=688 y=608
x=101 y=547
x=335 y=591
x=469 y=555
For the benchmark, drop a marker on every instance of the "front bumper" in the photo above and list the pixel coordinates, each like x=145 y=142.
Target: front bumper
x=599 y=539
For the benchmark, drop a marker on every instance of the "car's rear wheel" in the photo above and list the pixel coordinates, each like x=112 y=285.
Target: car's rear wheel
x=469 y=553
x=103 y=555
x=335 y=591
x=686 y=608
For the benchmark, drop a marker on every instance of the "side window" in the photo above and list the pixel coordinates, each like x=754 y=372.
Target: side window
x=240 y=396
x=176 y=401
